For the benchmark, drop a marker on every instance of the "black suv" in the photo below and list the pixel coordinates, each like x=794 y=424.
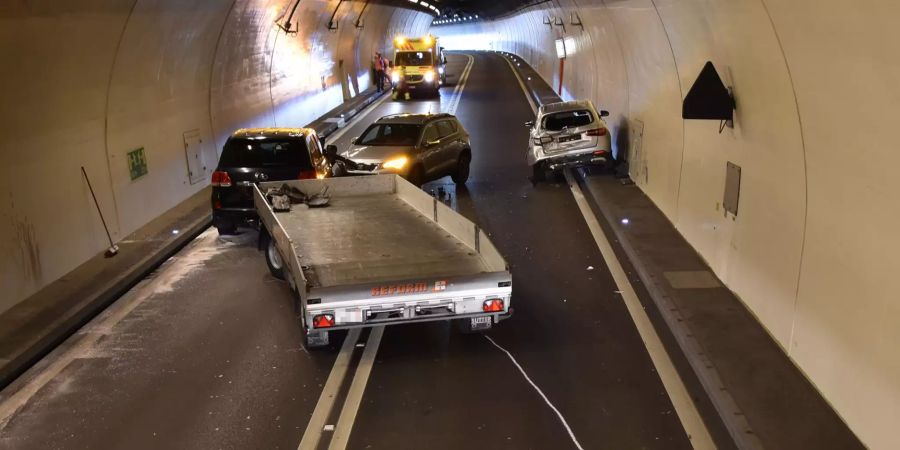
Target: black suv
x=262 y=154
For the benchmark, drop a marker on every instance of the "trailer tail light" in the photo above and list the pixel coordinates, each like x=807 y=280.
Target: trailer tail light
x=596 y=132
x=221 y=179
x=307 y=175
x=323 y=321
x=493 y=305
x=600 y=152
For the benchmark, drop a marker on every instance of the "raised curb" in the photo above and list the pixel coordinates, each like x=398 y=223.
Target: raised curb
x=65 y=326
x=50 y=336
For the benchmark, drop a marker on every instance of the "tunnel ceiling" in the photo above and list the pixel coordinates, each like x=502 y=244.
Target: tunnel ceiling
x=483 y=8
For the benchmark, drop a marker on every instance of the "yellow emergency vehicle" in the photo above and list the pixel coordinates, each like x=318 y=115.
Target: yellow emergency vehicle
x=418 y=66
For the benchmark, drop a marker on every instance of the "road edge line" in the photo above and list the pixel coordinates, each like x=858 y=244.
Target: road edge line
x=344 y=427
x=316 y=424
x=684 y=406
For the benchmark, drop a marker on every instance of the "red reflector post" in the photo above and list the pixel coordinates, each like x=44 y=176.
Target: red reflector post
x=323 y=321
x=493 y=305
x=221 y=179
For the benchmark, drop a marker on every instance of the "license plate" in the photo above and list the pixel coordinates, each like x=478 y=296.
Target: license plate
x=574 y=137
x=480 y=323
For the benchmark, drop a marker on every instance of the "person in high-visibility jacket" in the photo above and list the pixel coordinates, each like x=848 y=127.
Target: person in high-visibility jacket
x=378 y=63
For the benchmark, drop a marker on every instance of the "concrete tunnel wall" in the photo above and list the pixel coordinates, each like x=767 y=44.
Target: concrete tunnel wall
x=812 y=251
x=84 y=82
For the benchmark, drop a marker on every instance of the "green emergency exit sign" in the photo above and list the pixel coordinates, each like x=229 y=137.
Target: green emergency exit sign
x=137 y=163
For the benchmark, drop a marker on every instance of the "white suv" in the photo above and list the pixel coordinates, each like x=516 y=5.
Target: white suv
x=567 y=134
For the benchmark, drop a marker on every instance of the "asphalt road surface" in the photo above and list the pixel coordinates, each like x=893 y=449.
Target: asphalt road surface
x=206 y=353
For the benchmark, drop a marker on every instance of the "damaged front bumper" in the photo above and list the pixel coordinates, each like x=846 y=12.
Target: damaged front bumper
x=569 y=160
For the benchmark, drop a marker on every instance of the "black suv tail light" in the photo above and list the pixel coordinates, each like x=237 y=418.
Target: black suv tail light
x=221 y=179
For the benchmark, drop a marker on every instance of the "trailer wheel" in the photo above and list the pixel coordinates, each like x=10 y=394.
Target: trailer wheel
x=273 y=258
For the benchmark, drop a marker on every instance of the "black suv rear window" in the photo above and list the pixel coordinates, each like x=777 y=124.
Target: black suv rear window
x=571 y=119
x=266 y=152
x=401 y=134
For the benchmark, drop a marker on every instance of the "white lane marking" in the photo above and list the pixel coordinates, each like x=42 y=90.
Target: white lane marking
x=359 y=117
x=80 y=344
x=453 y=104
x=681 y=400
x=540 y=392
x=515 y=72
x=344 y=426
x=687 y=412
x=313 y=433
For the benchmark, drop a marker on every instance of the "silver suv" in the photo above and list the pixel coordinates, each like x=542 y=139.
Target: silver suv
x=419 y=147
x=567 y=134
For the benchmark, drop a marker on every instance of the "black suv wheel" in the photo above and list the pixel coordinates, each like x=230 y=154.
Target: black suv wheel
x=461 y=175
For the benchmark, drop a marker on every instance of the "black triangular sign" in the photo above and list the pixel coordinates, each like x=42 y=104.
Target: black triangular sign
x=708 y=98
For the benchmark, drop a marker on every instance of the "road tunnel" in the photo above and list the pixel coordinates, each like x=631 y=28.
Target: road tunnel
x=719 y=282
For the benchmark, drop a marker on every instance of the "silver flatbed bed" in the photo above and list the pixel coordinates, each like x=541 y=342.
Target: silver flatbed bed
x=382 y=252
x=375 y=238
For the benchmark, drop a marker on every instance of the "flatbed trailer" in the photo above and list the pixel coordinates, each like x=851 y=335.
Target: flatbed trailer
x=382 y=252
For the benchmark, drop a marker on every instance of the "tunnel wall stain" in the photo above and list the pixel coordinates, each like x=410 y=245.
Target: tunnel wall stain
x=815 y=84
x=29 y=252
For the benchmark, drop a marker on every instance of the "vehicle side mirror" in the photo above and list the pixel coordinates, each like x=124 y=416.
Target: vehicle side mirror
x=354 y=140
x=604 y=113
x=331 y=151
x=529 y=124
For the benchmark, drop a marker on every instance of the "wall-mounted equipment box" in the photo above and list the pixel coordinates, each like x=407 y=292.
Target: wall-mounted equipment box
x=193 y=153
x=732 y=187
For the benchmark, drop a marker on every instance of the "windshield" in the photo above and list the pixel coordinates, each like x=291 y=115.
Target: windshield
x=256 y=152
x=399 y=134
x=412 y=59
x=570 y=119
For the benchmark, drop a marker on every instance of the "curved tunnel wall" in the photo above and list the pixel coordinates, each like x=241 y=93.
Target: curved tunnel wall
x=812 y=250
x=87 y=81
